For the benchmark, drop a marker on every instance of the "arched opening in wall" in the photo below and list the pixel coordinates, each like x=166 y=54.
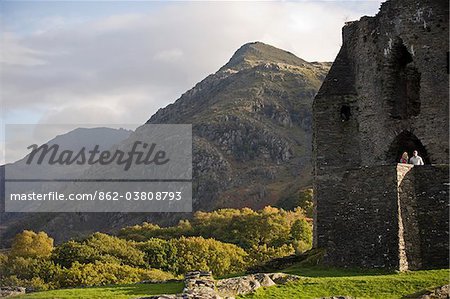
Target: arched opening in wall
x=403 y=82
x=406 y=142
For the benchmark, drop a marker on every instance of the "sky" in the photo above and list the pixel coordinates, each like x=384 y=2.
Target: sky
x=118 y=62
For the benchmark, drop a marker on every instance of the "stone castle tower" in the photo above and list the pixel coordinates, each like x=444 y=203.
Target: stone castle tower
x=387 y=92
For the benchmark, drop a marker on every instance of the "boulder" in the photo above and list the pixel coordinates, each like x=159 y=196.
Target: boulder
x=244 y=284
x=201 y=285
x=438 y=293
x=283 y=278
x=11 y=291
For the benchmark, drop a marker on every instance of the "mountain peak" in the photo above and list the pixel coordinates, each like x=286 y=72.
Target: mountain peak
x=254 y=53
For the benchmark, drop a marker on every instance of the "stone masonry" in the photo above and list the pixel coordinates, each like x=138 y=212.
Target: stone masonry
x=386 y=93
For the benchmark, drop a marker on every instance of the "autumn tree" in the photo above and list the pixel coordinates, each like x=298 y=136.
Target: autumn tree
x=31 y=244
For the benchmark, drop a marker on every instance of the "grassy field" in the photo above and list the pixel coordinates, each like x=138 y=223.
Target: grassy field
x=319 y=282
x=117 y=291
x=316 y=282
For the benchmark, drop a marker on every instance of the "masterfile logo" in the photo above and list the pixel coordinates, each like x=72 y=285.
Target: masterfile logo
x=141 y=153
x=150 y=171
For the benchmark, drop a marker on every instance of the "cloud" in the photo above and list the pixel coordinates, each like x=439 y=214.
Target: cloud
x=169 y=55
x=123 y=67
x=13 y=53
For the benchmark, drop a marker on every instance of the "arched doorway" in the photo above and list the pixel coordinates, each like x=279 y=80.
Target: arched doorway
x=406 y=142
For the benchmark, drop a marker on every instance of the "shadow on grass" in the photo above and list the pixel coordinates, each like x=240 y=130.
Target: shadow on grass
x=310 y=264
x=322 y=271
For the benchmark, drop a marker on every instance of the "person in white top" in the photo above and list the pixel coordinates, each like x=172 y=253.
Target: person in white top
x=416 y=159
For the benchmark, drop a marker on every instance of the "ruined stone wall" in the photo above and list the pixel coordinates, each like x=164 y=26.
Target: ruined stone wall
x=387 y=92
x=392 y=73
x=432 y=195
x=389 y=216
x=408 y=230
x=336 y=142
x=423 y=216
x=358 y=224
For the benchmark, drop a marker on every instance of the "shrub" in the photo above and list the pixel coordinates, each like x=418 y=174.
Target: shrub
x=112 y=249
x=301 y=230
x=100 y=273
x=98 y=247
x=71 y=251
x=160 y=254
x=38 y=274
x=147 y=231
x=261 y=254
x=27 y=268
x=36 y=283
x=301 y=246
x=30 y=244
x=246 y=228
x=3 y=262
x=197 y=253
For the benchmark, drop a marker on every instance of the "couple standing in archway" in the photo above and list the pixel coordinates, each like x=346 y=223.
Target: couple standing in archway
x=415 y=159
x=407 y=148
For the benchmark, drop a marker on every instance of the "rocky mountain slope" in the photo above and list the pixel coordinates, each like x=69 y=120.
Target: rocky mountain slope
x=251 y=127
x=251 y=140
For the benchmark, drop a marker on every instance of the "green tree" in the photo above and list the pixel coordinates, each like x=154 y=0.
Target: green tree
x=301 y=234
x=33 y=272
x=260 y=254
x=197 y=253
x=69 y=252
x=301 y=230
x=160 y=254
x=100 y=273
x=113 y=249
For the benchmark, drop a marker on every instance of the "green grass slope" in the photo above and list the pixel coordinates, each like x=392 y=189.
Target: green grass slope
x=116 y=292
x=317 y=283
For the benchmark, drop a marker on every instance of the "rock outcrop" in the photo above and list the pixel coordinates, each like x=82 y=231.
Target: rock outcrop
x=12 y=291
x=243 y=285
x=438 y=293
x=201 y=285
x=251 y=126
